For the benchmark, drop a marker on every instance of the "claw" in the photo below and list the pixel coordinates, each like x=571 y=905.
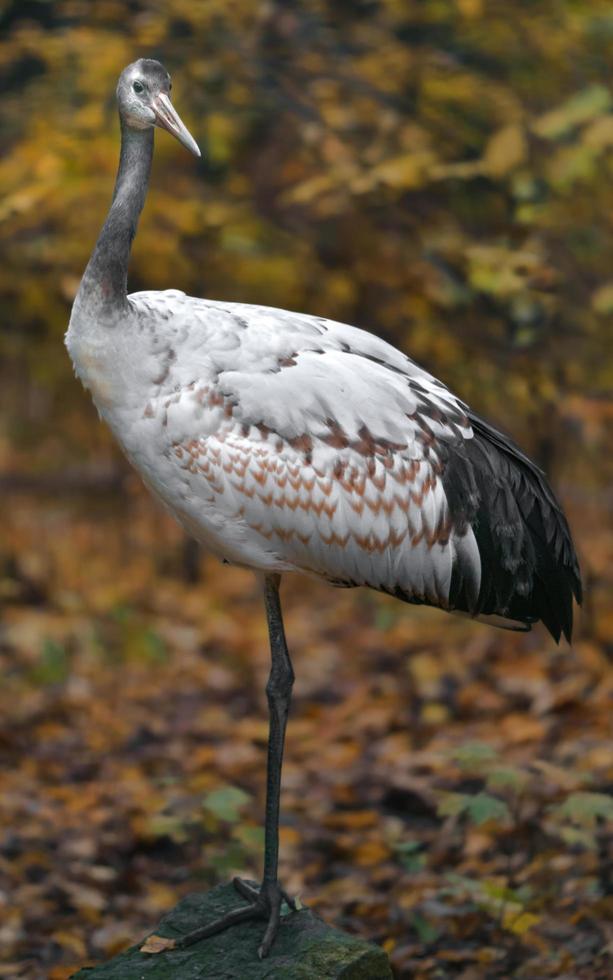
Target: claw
x=264 y=903
x=233 y=918
x=246 y=890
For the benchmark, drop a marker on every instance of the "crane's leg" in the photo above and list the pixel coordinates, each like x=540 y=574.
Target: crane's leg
x=266 y=902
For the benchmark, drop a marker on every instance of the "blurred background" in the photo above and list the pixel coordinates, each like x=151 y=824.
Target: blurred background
x=440 y=173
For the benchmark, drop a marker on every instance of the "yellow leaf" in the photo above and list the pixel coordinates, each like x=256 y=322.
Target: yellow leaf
x=157 y=944
x=506 y=150
x=471 y=9
x=309 y=189
x=434 y=713
x=407 y=171
x=600 y=132
x=602 y=299
x=519 y=924
x=579 y=109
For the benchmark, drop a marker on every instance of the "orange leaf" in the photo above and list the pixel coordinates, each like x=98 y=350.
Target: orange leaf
x=157 y=944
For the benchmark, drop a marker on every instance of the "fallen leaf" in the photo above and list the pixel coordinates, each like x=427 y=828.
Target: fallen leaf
x=157 y=944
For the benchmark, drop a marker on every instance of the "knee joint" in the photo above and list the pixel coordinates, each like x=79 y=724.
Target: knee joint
x=280 y=682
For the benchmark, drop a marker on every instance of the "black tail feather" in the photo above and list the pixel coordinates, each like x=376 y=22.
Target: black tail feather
x=529 y=566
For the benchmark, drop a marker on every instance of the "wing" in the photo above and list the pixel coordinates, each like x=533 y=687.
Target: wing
x=320 y=447
x=324 y=442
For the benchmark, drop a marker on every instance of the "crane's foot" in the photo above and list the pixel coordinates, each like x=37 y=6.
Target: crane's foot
x=264 y=903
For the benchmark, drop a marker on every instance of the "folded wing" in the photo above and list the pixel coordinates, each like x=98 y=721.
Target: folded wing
x=346 y=460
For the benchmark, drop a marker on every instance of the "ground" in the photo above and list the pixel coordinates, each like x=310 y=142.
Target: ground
x=446 y=788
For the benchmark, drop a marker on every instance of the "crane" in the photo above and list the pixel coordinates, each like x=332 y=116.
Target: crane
x=286 y=442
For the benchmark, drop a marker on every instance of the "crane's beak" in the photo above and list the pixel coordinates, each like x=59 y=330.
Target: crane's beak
x=167 y=117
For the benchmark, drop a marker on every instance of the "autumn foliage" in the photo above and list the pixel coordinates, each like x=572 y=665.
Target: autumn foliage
x=441 y=173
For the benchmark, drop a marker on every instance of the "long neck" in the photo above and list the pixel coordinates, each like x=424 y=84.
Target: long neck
x=103 y=287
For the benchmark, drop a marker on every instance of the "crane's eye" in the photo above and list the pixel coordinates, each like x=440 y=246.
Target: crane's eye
x=138 y=87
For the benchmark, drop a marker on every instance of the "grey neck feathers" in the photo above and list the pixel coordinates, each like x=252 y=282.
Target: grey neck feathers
x=103 y=288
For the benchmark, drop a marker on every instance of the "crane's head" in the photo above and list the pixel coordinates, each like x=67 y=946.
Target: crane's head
x=143 y=94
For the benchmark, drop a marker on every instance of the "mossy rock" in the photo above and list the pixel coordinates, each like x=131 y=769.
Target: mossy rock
x=305 y=949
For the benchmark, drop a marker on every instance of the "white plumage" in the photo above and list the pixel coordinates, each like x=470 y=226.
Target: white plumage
x=284 y=442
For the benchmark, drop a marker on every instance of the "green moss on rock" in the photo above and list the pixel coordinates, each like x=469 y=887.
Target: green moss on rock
x=305 y=949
